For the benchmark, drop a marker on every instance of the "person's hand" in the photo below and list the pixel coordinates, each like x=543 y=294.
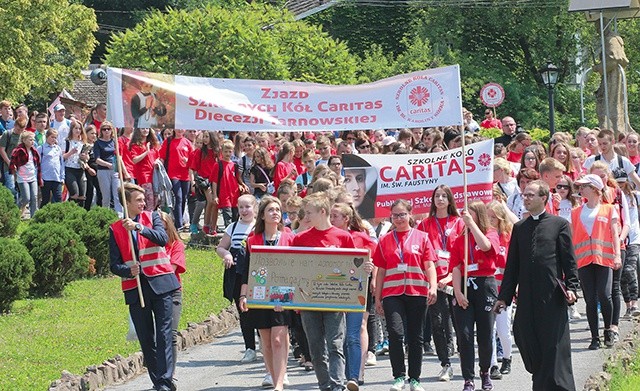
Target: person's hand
x=432 y=296
x=379 y=309
x=228 y=261
x=129 y=224
x=555 y=200
x=84 y=156
x=149 y=102
x=461 y=300
x=262 y=186
x=294 y=174
x=499 y=306
x=74 y=150
x=368 y=267
x=617 y=263
x=135 y=269
x=278 y=308
x=467 y=219
x=243 y=304
x=571 y=297
x=445 y=281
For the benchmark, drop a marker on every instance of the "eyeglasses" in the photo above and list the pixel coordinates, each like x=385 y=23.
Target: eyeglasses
x=401 y=215
x=529 y=195
x=487 y=113
x=336 y=164
x=364 y=146
x=351 y=138
x=530 y=158
x=563 y=187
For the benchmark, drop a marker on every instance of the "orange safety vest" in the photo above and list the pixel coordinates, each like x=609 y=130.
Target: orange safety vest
x=154 y=260
x=597 y=248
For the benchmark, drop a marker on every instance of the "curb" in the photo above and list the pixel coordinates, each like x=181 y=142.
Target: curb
x=120 y=369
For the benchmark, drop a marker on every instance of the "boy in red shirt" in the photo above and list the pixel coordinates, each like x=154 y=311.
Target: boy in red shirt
x=325 y=330
x=226 y=184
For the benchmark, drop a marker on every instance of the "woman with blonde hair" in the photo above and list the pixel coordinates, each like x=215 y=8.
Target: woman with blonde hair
x=517 y=147
x=502 y=177
x=562 y=152
x=73 y=172
x=259 y=178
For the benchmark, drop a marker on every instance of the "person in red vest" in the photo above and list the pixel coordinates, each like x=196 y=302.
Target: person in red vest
x=152 y=264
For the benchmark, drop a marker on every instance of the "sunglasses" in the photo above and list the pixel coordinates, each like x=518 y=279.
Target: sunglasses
x=364 y=146
x=563 y=187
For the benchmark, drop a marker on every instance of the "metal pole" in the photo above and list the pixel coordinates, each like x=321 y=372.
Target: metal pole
x=604 y=73
x=552 y=122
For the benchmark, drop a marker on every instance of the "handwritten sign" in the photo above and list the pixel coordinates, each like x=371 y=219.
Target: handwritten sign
x=308 y=278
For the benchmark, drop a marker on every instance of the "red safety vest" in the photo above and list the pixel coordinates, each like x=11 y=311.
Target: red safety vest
x=154 y=260
x=597 y=248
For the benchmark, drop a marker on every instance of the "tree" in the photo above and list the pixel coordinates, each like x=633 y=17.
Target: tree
x=256 y=41
x=46 y=45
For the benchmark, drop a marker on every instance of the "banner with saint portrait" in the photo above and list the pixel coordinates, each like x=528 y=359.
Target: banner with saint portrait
x=376 y=181
x=420 y=99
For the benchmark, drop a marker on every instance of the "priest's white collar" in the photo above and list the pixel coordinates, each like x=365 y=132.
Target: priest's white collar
x=537 y=217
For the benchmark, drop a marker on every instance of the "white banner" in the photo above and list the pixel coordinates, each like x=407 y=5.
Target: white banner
x=376 y=181
x=420 y=99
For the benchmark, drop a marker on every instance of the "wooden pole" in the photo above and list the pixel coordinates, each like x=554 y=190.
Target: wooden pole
x=126 y=211
x=466 y=231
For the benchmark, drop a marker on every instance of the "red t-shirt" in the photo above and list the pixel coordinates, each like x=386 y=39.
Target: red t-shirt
x=202 y=165
x=481 y=263
x=491 y=123
x=332 y=237
x=123 y=145
x=176 y=255
x=228 y=187
x=411 y=248
x=282 y=171
x=514 y=157
x=143 y=170
x=363 y=240
x=297 y=162
x=634 y=159
x=501 y=259
x=442 y=233
x=179 y=152
x=286 y=237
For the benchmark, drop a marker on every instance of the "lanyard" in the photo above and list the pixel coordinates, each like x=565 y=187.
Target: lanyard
x=395 y=236
x=443 y=236
x=264 y=239
x=471 y=248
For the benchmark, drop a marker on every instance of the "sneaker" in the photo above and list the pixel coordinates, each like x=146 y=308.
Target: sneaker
x=573 y=313
x=428 y=350
x=285 y=381
x=595 y=344
x=494 y=373
x=414 y=385
x=378 y=349
x=446 y=373
x=608 y=338
x=352 y=385
x=385 y=347
x=627 y=314
x=486 y=381
x=371 y=359
x=267 y=381
x=206 y=229
x=469 y=385
x=249 y=356
x=505 y=368
x=193 y=229
x=398 y=384
x=635 y=311
x=616 y=337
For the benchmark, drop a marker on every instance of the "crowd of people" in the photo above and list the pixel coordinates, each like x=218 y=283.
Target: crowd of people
x=291 y=190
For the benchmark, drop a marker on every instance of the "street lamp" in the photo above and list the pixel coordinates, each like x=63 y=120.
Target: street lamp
x=550 y=78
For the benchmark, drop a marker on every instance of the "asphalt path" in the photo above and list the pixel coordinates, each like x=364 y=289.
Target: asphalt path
x=216 y=367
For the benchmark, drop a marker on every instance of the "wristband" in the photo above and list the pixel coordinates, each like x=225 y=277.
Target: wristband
x=242 y=297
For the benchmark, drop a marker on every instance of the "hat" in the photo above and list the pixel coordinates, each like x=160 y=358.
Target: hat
x=620 y=176
x=59 y=107
x=388 y=140
x=591 y=179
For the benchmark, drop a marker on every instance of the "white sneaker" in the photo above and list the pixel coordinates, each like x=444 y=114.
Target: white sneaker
x=285 y=381
x=352 y=385
x=446 y=373
x=371 y=359
x=249 y=356
x=267 y=381
x=573 y=313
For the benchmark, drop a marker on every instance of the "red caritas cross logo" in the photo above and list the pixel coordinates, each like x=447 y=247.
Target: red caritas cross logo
x=419 y=96
x=492 y=93
x=484 y=159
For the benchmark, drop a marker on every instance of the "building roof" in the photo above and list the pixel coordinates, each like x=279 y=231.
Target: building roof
x=86 y=92
x=303 y=8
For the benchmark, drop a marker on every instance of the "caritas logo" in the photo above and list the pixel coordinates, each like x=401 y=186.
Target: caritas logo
x=419 y=99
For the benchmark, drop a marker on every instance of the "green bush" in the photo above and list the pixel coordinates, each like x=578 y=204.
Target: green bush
x=490 y=132
x=59 y=256
x=9 y=213
x=16 y=271
x=59 y=212
x=94 y=233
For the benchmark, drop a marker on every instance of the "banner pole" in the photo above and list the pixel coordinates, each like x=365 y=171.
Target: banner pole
x=466 y=231
x=126 y=211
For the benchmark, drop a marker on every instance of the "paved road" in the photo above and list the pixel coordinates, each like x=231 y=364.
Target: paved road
x=215 y=367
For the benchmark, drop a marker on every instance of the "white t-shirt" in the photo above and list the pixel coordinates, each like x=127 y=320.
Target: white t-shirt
x=515 y=203
x=613 y=163
x=588 y=217
x=634 y=226
x=564 y=210
x=510 y=187
x=238 y=232
x=63 y=130
x=73 y=161
x=27 y=172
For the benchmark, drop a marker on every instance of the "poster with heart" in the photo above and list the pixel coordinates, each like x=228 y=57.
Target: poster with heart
x=308 y=278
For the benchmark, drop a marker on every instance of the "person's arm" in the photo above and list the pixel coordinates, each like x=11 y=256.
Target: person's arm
x=481 y=240
x=462 y=301
x=116 y=265
x=380 y=275
x=223 y=250
x=97 y=151
x=625 y=218
x=566 y=258
x=615 y=233
x=138 y=158
x=3 y=150
x=178 y=259
x=512 y=270
x=510 y=215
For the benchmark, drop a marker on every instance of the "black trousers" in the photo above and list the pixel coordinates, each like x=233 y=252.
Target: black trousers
x=246 y=326
x=442 y=327
x=482 y=294
x=596 y=284
x=153 y=325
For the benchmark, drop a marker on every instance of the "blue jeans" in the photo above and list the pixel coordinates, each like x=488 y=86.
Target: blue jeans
x=29 y=196
x=51 y=192
x=352 y=348
x=109 y=186
x=10 y=183
x=325 y=333
x=180 y=192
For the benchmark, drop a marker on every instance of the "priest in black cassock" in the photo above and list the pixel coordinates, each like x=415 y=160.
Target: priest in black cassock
x=540 y=259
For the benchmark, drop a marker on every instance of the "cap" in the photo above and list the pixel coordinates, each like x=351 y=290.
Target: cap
x=388 y=140
x=591 y=179
x=620 y=176
x=59 y=107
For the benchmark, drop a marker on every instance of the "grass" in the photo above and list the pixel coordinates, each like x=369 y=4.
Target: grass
x=88 y=324
x=629 y=379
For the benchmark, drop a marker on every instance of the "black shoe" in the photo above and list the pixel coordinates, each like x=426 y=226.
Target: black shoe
x=608 y=338
x=505 y=369
x=595 y=344
x=494 y=373
x=428 y=350
x=486 y=381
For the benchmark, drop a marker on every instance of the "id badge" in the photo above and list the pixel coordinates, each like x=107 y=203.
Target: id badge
x=402 y=267
x=442 y=254
x=472 y=267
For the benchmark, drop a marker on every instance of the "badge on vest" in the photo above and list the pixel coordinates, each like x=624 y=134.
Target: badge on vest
x=415 y=249
x=603 y=219
x=442 y=254
x=402 y=267
x=472 y=267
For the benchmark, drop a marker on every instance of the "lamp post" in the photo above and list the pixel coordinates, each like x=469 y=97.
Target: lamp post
x=550 y=78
